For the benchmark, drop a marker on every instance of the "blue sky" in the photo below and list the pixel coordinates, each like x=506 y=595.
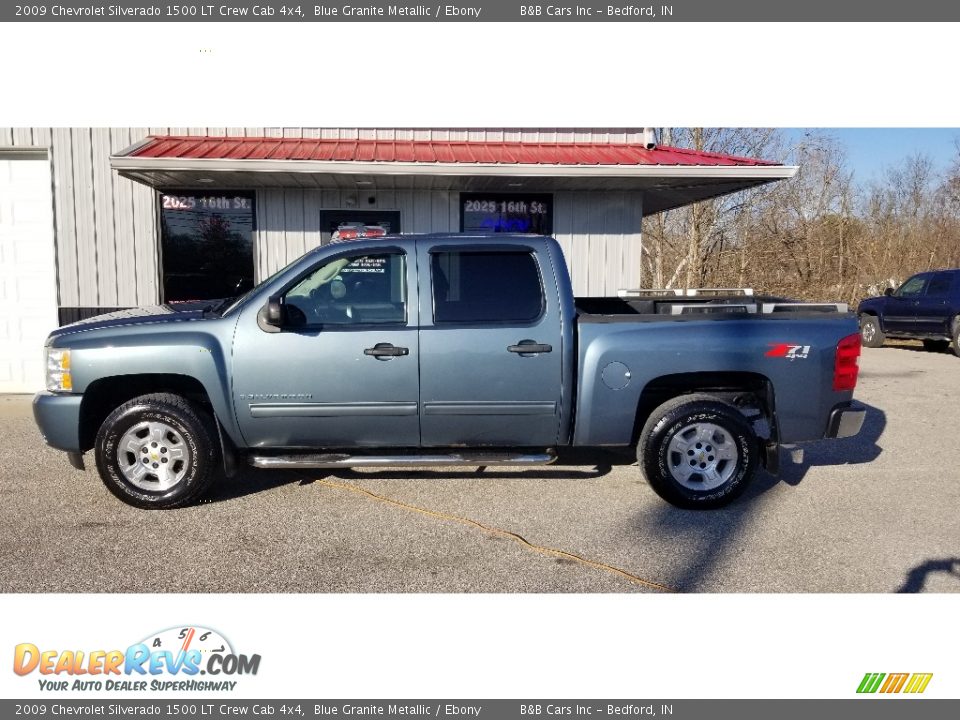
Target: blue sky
x=870 y=150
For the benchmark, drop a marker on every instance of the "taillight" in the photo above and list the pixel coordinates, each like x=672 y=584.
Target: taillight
x=846 y=365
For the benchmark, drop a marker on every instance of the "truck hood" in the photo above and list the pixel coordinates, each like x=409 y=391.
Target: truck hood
x=157 y=314
x=871 y=303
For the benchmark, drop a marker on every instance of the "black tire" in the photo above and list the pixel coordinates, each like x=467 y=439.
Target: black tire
x=936 y=345
x=661 y=462
x=190 y=444
x=956 y=336
x=870 y=333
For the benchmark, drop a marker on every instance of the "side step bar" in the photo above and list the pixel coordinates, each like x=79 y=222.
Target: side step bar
x=342 y=460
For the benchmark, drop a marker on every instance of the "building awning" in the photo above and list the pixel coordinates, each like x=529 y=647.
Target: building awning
x=670 y=177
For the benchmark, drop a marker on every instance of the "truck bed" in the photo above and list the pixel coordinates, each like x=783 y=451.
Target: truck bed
x=664 y=307
x=627 y=345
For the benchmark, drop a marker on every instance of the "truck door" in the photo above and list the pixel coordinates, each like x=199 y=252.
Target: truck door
x=490 y=339
x=934 y=309
x=342 y=372
x=900 y=309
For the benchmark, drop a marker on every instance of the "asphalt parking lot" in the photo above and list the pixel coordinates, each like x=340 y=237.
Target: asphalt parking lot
x=875 y=513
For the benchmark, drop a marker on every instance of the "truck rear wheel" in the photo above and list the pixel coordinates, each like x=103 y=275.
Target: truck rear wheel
x=157 y=451
x=870 y=332
x=956 y=335
x=698 y=452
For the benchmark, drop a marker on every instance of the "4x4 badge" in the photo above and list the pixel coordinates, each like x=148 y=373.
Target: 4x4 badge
x=788 y=351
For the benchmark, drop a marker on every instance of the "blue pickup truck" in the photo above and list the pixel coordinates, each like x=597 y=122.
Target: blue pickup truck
x=926 y=307
x=442 y=350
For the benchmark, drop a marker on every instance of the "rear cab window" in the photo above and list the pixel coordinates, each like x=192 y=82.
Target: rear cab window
x=940 y=284
x=486 y=287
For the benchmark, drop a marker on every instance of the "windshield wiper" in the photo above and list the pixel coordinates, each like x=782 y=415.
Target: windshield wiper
x=217 y=308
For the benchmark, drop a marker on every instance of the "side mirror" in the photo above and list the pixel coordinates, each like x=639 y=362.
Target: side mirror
x=888 y=292
x=272 y=316
x=275 y=315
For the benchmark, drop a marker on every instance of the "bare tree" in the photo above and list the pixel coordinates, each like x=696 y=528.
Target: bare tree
x=689 y=239
x=815 y=236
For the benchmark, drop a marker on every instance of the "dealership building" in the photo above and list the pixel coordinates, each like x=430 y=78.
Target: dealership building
x=97 y=219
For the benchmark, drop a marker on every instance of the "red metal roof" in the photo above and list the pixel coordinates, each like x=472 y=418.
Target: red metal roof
x=429 y=151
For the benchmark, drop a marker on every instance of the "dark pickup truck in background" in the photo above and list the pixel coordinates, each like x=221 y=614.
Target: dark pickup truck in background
x=440 y=350
x=926 y=307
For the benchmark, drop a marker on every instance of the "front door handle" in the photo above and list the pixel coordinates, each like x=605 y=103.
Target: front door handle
x=385 y=351
x=529 y=347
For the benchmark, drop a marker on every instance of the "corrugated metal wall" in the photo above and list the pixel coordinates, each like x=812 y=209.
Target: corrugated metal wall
x=106 y=226
x=288 y=220
x=599 y=231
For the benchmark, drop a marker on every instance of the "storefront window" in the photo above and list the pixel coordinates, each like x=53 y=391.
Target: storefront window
x=506 y=212
x=207 y=245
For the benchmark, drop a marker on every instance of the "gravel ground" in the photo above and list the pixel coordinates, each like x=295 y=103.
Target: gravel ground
x=875 y=513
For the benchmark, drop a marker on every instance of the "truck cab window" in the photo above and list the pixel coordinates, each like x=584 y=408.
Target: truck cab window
x=486 y=287
x=912 y=287
x=940 y=285
x=352 y=290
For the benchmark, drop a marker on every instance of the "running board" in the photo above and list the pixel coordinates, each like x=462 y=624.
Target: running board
x=342 y=460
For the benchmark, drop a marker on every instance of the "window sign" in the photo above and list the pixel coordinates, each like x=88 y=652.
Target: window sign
x=207 y=245
x=358 y=290
x=506 y=213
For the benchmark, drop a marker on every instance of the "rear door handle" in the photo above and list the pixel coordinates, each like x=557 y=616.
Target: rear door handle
x=385 y=351
x=529 y=347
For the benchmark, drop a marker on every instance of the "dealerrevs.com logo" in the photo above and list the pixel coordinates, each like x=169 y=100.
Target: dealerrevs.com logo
x=172 y=660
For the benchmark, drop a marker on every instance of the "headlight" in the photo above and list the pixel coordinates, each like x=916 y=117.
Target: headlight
x=58 y=371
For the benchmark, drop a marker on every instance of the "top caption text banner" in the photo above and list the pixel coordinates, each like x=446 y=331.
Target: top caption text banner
x=487 y=11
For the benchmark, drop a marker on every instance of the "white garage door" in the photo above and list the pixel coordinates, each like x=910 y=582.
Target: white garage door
x=28 y=281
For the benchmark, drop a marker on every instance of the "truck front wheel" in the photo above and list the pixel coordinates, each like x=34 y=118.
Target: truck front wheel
x=157 y=451
x=698 y=452
x=870 y=332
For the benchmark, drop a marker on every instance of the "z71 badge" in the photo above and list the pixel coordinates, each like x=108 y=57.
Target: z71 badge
x=788 y=351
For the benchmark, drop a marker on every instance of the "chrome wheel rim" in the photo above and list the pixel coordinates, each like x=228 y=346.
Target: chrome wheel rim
x=868 y=331
x=153 y=456
x=702 y=456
